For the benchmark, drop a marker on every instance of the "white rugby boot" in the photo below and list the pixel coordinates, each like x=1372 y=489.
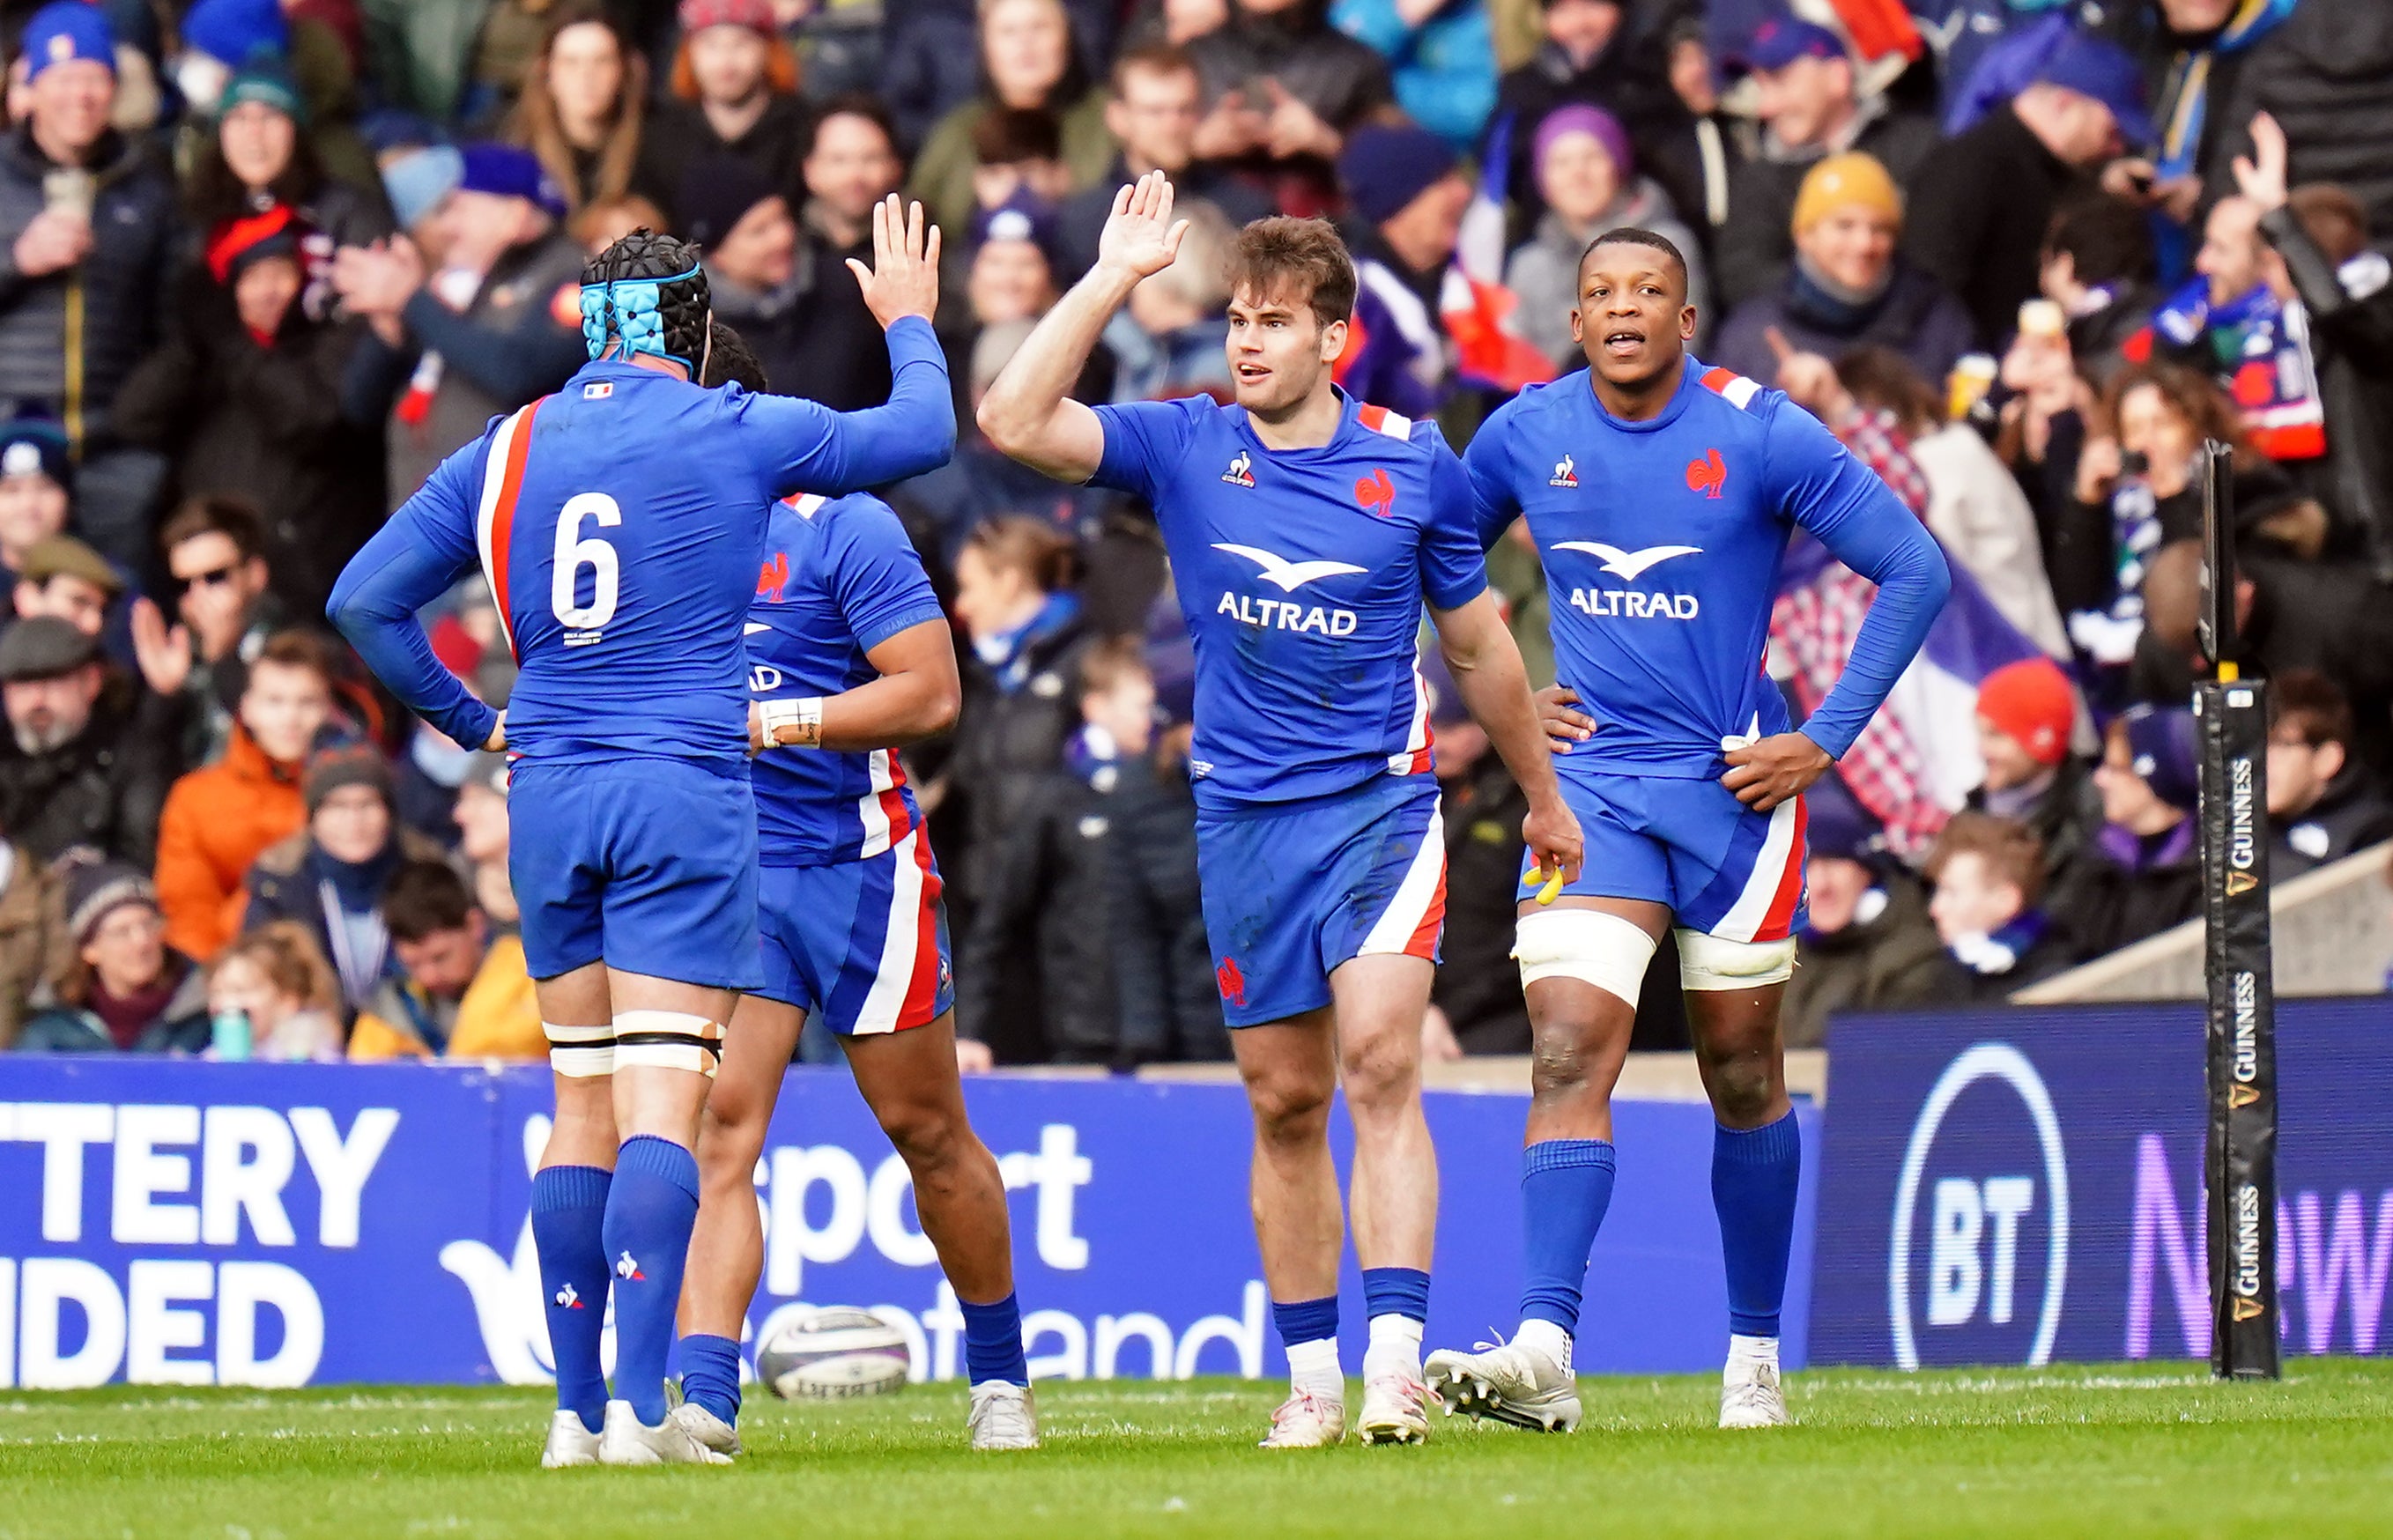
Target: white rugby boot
x=570 y=1444
x=1751 y=1397
x=1002 y=1417
x=1394 y=1409
x=1509 y=1381
x=711 y=1431
x=627 y=1440
x=1307 y=1421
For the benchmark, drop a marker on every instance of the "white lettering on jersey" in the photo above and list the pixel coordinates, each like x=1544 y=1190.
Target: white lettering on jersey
x=1288 y=576
x=1629 y=603
x=1287 y=615
x=1630 y=564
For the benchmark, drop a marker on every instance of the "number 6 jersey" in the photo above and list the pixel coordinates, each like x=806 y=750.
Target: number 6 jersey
x=620 y=523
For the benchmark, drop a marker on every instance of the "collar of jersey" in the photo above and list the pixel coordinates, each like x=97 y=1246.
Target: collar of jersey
x=1689 y=383
x=1347 y=408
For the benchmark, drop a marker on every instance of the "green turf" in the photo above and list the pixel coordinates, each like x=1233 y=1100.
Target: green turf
x=2109 y=1453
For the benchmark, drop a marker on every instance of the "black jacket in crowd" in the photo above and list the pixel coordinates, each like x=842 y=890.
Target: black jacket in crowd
x=1757 y=244
x=1478 y=983
x=815 y=335
x=1964 y=984
x=2351 y=334
x=1979 y=206
x=1887 y=959
x=677 y=132
x=2326 y=74
x=104 y=789
x=2350 y=816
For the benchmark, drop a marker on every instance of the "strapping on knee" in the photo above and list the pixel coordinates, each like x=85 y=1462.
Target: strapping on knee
x=667 y=1039
x=580 y=1052
x=1715 y=963
x=1589 y=945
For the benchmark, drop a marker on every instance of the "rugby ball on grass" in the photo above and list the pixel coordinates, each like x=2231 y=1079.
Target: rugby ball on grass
x=835 y=1352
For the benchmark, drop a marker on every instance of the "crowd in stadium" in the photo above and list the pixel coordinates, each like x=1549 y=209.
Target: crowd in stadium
x=264 y=265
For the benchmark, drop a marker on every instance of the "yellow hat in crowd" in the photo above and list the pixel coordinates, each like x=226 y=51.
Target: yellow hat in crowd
x=1845 y=181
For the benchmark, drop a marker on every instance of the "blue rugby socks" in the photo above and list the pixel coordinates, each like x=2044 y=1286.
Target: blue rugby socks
x=1396 y=1302
x=1755 y=1173
x=993 y=1342
x=650 y=1210
x=710 y=1374
x=1308 y=1329
x=1565 y=1189
x=569 y=1206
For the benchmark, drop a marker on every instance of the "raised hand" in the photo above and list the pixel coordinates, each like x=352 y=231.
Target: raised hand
x=1140 y=238
x=2261 y=175
x=164 y=651
x=904 y=278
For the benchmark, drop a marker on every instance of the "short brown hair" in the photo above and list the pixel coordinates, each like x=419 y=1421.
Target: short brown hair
x=424 y=898
x=1008 y=136
x=1106 y=664
x=1882 y=377
x=285 y=952
x=1286 y=258
x=2312 y=705
x=298 y=649
x=1151 y=58
x=236 y=518
x=2332 y=218
x=1023 y=544
x=2012 y=851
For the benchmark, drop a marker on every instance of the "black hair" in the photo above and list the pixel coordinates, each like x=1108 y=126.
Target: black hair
x=423 y=898
x=2107 y=239
x=1631 y=235
x=729 y=361
x=684 y=300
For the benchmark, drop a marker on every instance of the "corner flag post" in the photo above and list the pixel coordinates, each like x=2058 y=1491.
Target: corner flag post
x=2240 y=1155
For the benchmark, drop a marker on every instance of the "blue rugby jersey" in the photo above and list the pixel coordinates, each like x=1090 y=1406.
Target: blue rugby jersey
x=838 y=579
x=620 y=523
x=1662 y=541
x=1302 y=574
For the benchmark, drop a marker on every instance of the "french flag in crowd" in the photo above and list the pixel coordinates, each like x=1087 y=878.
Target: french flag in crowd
x=1472 y=302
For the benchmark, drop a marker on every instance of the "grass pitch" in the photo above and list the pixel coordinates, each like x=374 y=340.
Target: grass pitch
x=2112 y=1452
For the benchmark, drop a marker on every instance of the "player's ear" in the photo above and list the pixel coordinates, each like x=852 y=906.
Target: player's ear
x=1333 y=341
x=1578 y=334
x=1686 y=323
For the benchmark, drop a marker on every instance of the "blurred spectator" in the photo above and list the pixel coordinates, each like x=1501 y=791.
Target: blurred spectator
x=1811 y=106
x=1153 y=108
x=1868 y=944
x=2326 y=74
x=1168 y=341
x=420 y=52
x=2203 y=47
x=32 y=936
x=1028 y=63
x=123 y=988
x=224 y=611
x=330 y=876
x=1974 y=505
x=1016 y=599
x=86 y=763
x=35 y=473
x=600 y=225
x=262 y=152
x=1981 y=203
x=233 y=49
x=218 y=820
x=850 y=164
x=1440 y=59
x=1586 y=176
x=496 y=326
x=1989 y=878
x=89 y=228
x=1017 y=161
x=1848 y=288
x=1281 y=83
x=977 y=484
x=69 y=580
x=462 y=993
x=246 y=394
x=1406 y=195
x=931 y=59
x=582 y=106
x=2231 y=320
x=2150 y=783
x=2027 y=714
x=1475 y=1004
x=1012 y=272
x=742 y=224
x=735 y=87
x=1591 y=54
x=275 y=980
x=482 y=830
x=2321 y=806
x=2344 y=293
x=2099 y=266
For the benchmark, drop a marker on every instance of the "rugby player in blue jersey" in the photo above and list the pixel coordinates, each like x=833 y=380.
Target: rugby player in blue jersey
x=1306 y=532
x=1661 y=494
x=850 y=657
x=620 y=523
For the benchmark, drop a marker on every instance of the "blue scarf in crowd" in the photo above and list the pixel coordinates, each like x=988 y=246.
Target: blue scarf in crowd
x=1007 y=654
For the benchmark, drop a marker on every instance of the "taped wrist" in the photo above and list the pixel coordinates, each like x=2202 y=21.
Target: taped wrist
x=792 y=723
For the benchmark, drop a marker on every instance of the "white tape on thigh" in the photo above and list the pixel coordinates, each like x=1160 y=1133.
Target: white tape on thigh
x=580 y=1052
x=1708 y=963
x=667 y=1039
x=1588 y=944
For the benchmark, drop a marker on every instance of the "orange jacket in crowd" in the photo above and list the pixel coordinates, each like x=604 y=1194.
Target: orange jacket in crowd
x=217 y=819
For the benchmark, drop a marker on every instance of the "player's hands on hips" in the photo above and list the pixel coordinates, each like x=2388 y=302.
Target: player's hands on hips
x=1552 y=833
x=1140 y=238
x=497 y=742
x=1563 y=727
x=904 y=278
x=1782 y=766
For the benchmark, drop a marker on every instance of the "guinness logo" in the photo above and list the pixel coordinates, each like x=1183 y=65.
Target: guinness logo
x=2242 y=1096
x=2241 y=882
x=2248 y=1309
